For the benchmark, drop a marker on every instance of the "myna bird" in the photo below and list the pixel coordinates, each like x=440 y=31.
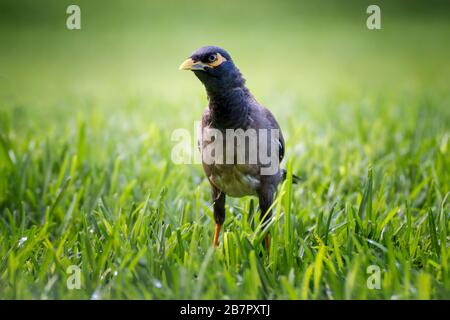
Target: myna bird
x=232 y=106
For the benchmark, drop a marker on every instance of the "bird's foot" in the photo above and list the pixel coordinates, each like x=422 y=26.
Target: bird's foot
x=267 y=243
x=216 y=235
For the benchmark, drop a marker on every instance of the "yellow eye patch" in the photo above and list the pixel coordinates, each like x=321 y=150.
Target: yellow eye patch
x=219 y=60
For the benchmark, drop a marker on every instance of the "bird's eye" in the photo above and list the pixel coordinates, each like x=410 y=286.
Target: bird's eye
x=212 y=58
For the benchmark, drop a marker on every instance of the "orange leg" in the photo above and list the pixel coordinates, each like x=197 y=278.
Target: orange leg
x=267 y=242
x=216 y=235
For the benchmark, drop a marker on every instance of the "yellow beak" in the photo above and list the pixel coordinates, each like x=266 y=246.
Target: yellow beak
x=190 y=64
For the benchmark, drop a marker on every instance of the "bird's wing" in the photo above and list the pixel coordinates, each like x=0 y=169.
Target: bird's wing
x=273 y=124
x=281 y=148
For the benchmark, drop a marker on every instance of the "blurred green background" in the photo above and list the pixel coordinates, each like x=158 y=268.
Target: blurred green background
x=99 y=104
x=289 y=48
x=296 y=55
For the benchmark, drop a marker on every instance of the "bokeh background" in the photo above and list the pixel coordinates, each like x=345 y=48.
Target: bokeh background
x=99 y=104
x=287 y=50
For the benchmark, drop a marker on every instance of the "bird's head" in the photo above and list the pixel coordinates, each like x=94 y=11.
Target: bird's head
x=214 y=67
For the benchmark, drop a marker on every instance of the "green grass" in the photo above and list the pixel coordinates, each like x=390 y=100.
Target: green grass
x=86 y=176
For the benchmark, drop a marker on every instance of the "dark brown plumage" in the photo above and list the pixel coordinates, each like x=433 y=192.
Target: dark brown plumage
x=232 y=106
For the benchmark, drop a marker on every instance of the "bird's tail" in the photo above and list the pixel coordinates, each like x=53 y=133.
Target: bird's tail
x=295 y=179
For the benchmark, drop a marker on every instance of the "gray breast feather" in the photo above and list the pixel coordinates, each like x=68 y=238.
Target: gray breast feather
x=235 y=180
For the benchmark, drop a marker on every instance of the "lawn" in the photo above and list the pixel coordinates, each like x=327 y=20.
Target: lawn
x=87 y=180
